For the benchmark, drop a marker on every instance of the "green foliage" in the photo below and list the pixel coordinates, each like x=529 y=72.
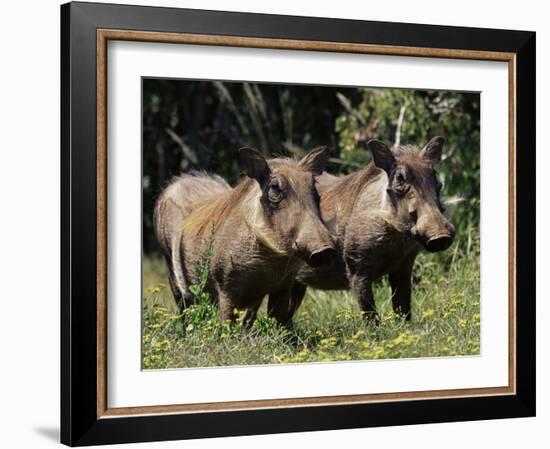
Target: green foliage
x=198 y=292
x=414 y=117
x=267 y=326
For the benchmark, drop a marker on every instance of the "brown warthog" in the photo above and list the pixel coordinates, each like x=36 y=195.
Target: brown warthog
x=380 y=217
x=253 y=237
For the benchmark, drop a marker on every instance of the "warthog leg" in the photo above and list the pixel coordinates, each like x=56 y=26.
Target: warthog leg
x=400 y=282
x=297 y=295
x=361 y=285
x=279 y=305
x=226 y=307
x=229 y=311
x=180 y=298
x=249 y=315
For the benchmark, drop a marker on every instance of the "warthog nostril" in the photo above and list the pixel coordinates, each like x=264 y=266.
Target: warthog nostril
x=322 y=257
x=439 y=243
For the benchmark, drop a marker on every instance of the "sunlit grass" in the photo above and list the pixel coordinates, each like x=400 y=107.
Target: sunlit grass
x=328 y=326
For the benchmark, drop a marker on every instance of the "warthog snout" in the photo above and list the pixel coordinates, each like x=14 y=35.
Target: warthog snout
x=439 y=243
x=316 y=255
x=442 y=240
x=322 y=257
x=319 y=257
x=314 y=243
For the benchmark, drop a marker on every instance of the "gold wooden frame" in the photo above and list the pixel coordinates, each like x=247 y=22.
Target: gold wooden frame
x=104 y=35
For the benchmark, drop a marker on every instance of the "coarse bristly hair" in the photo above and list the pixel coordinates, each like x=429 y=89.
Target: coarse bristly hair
x=347 y=190
x=212 y=210
x=345 y=193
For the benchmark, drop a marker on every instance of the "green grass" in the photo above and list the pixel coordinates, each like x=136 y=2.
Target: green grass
x=328 y=325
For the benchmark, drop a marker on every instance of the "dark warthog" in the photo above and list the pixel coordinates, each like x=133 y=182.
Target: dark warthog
x=253 y=237
x=380 y=217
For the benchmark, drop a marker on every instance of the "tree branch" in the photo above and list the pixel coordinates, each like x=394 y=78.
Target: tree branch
x=399 y=124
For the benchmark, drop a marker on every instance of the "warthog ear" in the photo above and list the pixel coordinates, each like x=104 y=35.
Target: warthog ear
x=433 y=149
x=315 y=161
x=381 y=155
x=255 y=164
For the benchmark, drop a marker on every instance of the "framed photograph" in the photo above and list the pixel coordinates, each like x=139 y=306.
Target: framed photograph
x=283 y=224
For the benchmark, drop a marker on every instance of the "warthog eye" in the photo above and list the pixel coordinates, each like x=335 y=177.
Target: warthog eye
x=275 y=193
x=400 y=183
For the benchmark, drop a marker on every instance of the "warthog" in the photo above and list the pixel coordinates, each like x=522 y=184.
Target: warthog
x=380 y=217
x=253 y=237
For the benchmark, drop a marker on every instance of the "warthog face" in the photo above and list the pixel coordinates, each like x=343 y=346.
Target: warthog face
x=414 y=191
x=286 y=211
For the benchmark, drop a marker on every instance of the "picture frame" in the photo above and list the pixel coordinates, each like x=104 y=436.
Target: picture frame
x=86 y=28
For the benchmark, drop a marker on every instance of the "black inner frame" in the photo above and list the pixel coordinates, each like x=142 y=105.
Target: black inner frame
x=79 y=422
